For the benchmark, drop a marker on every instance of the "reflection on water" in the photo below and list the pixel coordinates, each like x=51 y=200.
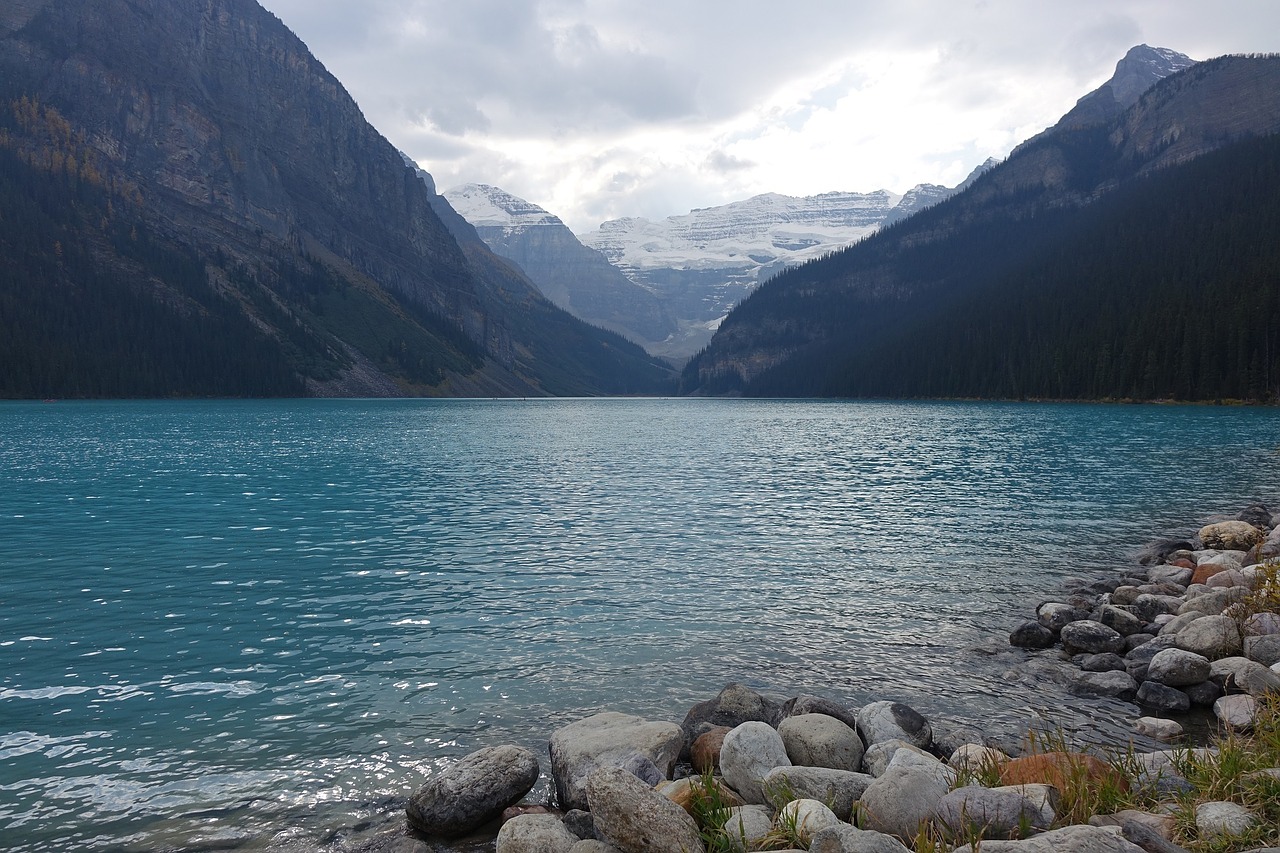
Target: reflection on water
x=248 y=622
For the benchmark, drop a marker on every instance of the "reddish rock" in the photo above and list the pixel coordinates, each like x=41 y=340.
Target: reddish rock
x=1060 y=769
x=705 y=752
x=1203 y=573
x=1183 y=563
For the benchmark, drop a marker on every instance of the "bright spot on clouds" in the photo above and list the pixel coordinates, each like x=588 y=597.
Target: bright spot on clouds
x=598 y=109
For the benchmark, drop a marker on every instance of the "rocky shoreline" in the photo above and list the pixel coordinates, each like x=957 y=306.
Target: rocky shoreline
x=1193 y=623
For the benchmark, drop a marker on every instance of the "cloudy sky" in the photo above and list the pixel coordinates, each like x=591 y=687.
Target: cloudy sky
x=598 y=109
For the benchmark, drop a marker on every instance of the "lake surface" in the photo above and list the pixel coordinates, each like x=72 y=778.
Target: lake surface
x=256 y=624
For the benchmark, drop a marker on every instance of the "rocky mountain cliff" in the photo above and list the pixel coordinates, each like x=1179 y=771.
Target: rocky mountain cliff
x=574 y=277
x=1140 y=69
x=1023 y=215
x=207 y=131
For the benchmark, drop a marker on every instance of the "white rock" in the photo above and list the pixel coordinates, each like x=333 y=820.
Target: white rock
x=1070 y=839
x=1238 y=711
x=881 y=721
x=878 y=755
x=535 y=833
x=1158 y=728
x=975 y=757
x=749 y=752
x=748 y=826
x=806 y=818
x=1218 y=819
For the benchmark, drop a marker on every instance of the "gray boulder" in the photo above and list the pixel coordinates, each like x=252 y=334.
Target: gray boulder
x=1089 y=637
x=1031 y=635
x=1178 y=668
x=748 y=826
x=1173 y=626
x=1115 y=685
x=993 y=812
x=805 y=818
x=1158 y=728
x=580 y=823
x=1119 y=619
x=881 y=721
x=1238 y=711
x=1079 y=838
x=1212 y=601
x=839 y=789
x=643 y=768
x=1231 y=535
x=1161 y=698
x=736 y=704
x=1239 y=674
x=608 y=740
x=1105 y=662
x=878 y=755
x=807 y=704
x=535 y=833
x=1148 y=607
x=1213 y=637
x=849 y=839
x=901 y=800
x=591 y=845
x=472 y=791
x=1221 y=819
x=1055 y=615
x=816 y=740
x=1264 y=650
x=749 y=752
x=1170 y=574
x=634 y=818
x=1203 y=694
x=1145 y=652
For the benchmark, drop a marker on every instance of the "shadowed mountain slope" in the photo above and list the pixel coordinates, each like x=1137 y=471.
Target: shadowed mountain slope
x=203 y=137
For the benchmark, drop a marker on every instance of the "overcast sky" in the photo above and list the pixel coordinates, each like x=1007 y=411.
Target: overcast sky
x=598 y=109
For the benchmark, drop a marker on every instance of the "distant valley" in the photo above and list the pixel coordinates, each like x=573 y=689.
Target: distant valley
x=686 y=271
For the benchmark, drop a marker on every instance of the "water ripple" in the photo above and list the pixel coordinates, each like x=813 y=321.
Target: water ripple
x=226 y=618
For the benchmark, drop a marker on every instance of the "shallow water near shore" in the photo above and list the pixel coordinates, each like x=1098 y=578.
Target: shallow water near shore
x=257 y=624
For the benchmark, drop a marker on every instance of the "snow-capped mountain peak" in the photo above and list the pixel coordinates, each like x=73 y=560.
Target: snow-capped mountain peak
x=481 y=204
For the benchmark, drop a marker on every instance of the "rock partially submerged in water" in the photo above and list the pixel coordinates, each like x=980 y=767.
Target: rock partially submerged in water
x=473 y=791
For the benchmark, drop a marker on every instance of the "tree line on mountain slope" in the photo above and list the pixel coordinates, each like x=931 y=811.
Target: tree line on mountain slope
x=1167 y=288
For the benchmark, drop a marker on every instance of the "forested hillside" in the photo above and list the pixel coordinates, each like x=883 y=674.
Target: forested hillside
x=1131 y=259
x=1170 y=288
x=190 y=204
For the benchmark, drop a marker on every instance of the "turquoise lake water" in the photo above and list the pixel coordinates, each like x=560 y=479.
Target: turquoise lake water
x=255 y=624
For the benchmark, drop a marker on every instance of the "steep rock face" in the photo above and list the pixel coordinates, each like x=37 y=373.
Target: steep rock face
x=213 y=124
x=574 y=277
x=852 y=302
x=1140 y=69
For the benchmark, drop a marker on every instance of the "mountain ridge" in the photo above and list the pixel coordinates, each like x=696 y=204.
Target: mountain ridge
x=828 y=311
x=212 y=126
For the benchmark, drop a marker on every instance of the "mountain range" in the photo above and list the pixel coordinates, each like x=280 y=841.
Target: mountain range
x=193 y=205
x=668 y=284
x=1121 y=254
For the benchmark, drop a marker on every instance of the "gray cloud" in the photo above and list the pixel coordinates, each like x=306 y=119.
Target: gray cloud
x=472 y=85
